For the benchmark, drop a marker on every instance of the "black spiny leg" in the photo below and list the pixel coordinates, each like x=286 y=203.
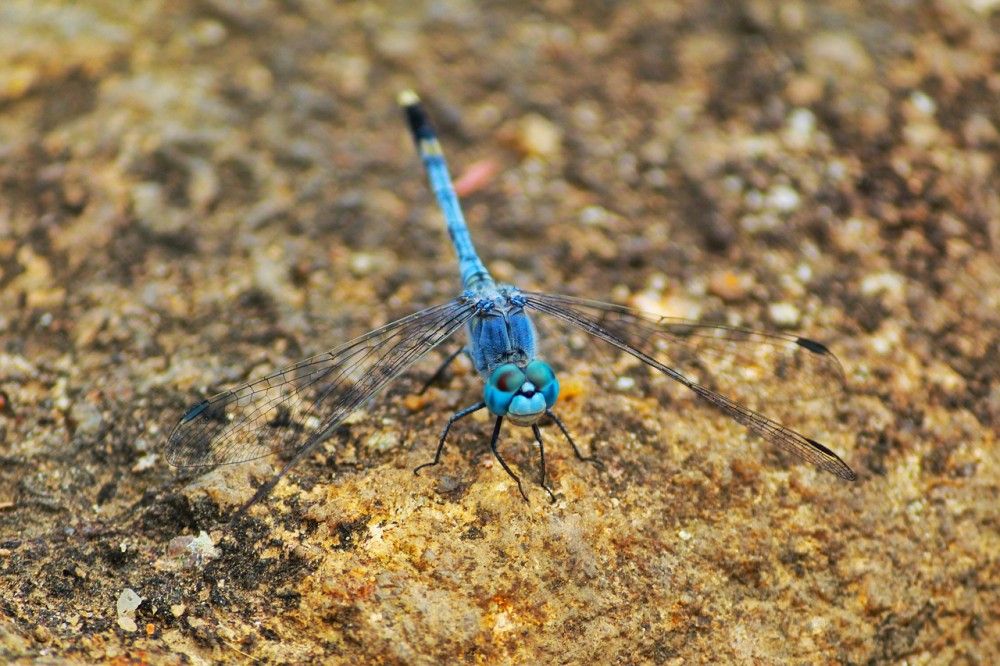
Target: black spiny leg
x=590 y=459
x=440 y=371
x=541 y=453
x=444 y=434
x=496 y=454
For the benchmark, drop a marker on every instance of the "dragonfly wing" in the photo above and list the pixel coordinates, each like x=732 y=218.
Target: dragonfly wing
x=731 y=357
x=758 y=368
x=300 y=405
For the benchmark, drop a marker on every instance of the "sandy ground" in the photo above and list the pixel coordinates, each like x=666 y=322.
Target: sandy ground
x=195 y=193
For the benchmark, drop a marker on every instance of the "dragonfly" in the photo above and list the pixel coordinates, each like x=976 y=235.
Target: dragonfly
x=293 y=410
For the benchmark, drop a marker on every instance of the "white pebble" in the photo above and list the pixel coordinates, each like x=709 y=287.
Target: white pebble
x=923 y=103
x=784 y=314
x=125 y=607
x=624 y=383
x=783 y=198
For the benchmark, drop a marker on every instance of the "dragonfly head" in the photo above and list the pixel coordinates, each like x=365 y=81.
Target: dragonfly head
x=521 y=394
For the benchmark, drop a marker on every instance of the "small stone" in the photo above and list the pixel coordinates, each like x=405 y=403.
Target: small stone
x=415 y=403
x=87 y=417
x=836 y=55
x=783 y=198
x=923 y=103
x=193 y=551
x=887 y=282
x=177 y=610
x=209 y=33
x=800 y=128
x=128 y=602
x=203 y=548
x=42 y=635
x=538 y=136
x=984 y=6
x=730 y=286
x=979 y=131
x=145 y=462
x=383 y=441
x=595 y=216
x=624 y=383
x=784 y=314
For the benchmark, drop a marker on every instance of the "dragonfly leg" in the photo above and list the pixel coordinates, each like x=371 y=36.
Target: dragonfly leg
x=541 y=452
x=444 y=434
x=496 y=454
x=440 y=371
x=591 y=459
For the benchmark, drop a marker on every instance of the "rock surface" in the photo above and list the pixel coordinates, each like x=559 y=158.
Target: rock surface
x=195 y=193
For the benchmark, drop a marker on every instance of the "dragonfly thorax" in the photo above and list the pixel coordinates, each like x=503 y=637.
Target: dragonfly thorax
x=500 y=332
x=522 y=394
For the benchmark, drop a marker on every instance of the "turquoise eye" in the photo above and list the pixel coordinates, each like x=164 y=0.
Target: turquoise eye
x=505 y=381
x=507 y=378
x=541 y=375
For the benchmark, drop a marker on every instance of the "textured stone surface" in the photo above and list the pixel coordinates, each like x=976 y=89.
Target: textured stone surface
x=194 y=193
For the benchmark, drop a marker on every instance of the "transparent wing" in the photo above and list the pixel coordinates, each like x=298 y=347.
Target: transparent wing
x=757 y=368
x=300 y=405
x=738 y=362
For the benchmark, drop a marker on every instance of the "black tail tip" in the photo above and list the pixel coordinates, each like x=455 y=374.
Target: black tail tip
x=416 y=117
x=813 y=346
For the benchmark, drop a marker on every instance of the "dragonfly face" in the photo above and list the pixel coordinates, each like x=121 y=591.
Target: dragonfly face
x=521 y=394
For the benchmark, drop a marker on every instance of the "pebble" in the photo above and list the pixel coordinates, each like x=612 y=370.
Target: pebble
x=383 y=441
x=194 y=551
x=800 y=128
x=415 y=403
x=624 y=383
x=128 y=602
x=837 y=55
x=147 y=461
x=209 y=33
x=784 y=314
x=783 y=198
x=886 y=281
x=984 y=6
x=730 y=286
x=923 y=103
x=537 y=136
x=87 y=417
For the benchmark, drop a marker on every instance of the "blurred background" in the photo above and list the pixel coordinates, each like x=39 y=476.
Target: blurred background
x=195 y=192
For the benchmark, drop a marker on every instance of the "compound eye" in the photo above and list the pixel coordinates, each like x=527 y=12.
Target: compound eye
x=508 y=378
x=501 y=388
x=539 y=373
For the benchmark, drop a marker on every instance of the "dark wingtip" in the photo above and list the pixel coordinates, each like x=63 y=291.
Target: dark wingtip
x=837 y=466
x=416 y=118
x=194 y=411
x=812 y=345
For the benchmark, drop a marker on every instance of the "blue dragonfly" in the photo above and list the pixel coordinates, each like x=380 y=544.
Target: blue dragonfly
x=293 y=410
